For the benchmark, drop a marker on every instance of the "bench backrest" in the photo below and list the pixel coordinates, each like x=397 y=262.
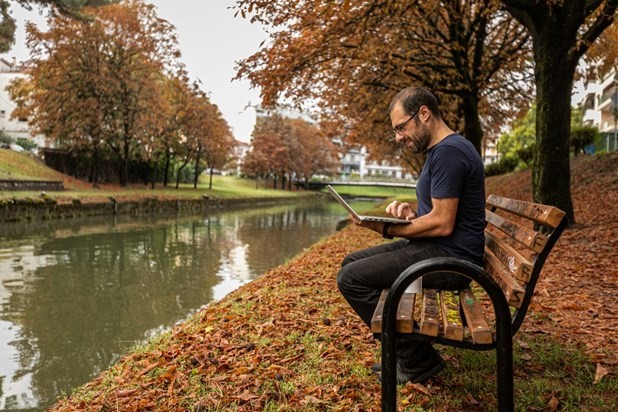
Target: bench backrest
x=518 y=239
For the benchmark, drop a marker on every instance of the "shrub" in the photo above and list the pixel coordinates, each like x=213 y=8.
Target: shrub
x=581 y=137
x=502 y=166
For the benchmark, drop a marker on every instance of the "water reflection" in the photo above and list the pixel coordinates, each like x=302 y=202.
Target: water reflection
x=76 y=294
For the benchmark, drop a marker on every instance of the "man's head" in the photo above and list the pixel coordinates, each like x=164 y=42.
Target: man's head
x=413 y=112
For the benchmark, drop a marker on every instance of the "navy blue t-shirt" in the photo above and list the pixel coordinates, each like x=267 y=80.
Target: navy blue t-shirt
x=454 y=169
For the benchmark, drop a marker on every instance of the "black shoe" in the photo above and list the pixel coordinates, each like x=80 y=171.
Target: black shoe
x=416 y=374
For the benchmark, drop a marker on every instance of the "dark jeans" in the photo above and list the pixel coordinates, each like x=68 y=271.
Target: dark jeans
x=366 y=272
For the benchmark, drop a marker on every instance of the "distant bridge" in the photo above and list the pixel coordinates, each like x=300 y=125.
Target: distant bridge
x=319 y=185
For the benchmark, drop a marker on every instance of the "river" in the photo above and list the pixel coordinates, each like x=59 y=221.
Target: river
x=77 y=294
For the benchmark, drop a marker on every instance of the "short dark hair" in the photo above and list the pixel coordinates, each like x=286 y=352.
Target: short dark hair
x=412 y=98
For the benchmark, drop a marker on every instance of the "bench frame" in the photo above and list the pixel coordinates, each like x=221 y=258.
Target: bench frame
x=506 y=324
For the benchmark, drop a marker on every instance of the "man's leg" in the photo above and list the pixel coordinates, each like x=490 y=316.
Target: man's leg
x=366 y=272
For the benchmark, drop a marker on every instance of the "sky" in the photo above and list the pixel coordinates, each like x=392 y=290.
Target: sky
x=211 y=40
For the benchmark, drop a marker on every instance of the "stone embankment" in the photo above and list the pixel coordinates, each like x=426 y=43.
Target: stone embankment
x=44 y=207
x=34 y=185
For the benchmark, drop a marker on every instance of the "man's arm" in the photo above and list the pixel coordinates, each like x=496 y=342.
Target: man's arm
x=439 y=222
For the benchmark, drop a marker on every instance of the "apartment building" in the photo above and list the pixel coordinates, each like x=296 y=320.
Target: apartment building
x=15 y=128
x=600 y=107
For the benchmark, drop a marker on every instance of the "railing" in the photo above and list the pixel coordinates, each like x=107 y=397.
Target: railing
x=319 y=185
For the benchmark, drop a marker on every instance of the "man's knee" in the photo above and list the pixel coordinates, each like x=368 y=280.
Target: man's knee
x=342 y=279
x=347 y=260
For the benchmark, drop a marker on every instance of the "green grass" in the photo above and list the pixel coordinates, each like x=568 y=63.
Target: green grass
x=546 y=372
x=23 y=166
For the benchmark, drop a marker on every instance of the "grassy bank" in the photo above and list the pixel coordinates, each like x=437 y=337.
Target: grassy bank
x=22 y=166
x=289 y=342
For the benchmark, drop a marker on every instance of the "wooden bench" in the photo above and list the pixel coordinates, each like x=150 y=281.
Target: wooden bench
x=518 y=239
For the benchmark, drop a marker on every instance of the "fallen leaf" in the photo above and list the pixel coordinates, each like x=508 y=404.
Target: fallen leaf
x=600 y=373
x=553 y=403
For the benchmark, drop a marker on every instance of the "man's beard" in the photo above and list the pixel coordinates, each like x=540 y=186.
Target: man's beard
x=420 y=142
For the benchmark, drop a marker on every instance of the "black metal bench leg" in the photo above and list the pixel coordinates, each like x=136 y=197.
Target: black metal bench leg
x=389 y=355
x=389 y=374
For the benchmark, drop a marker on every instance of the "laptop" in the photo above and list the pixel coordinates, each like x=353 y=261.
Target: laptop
x=347 y=207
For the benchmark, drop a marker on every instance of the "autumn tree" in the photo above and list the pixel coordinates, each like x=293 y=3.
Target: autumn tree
x=99 y=82
x=164 y=125
x=73 y=8
x=285 y=148
x=205 y=135
x=255 y=164
x=561 y=31
x=602 y=56
x=191 y=126
x=314 y=151
x=268 y=146
x=352 y=58
x=219 y=143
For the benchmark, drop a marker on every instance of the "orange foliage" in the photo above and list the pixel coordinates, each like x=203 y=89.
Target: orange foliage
x=352 y=59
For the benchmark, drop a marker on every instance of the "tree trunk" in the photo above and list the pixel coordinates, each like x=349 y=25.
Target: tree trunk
x=210 y=180
x=197 y=169
x=94 y=173
x=124 y=168
x=551 y=175
x=168 y=157
x=473 y=131
x=153 y=170
x=178 y=175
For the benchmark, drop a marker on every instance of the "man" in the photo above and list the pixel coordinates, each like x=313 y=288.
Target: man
x=449 y=221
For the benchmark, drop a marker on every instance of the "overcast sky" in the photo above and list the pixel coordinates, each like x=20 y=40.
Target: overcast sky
x=211 y=41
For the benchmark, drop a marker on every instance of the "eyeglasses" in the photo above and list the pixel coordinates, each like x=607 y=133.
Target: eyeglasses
x=399 y=128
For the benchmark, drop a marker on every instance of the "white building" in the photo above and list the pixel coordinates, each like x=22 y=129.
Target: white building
x=240 y=151
x=490 y=152
x=600 y=106
x=15 y=128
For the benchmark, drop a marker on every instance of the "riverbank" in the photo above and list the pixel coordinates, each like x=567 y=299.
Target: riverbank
x=80 y=199
x=45 y=208
x=289 y=342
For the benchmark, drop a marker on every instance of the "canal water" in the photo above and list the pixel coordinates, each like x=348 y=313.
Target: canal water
x=75 y=295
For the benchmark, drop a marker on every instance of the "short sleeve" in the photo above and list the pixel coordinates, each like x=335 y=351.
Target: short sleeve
x=449 y=171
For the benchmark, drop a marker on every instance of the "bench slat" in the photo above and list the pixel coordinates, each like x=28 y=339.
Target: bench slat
x=376 y=319
x=519 y=266
x=405 y=310
x=545 y=215
x=477 y=325
x=513 y=291
x=451 y=320
x=526 y=237
x=405 y=313
x=429 y=314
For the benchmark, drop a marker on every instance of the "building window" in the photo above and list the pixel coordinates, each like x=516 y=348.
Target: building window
x=3 y=113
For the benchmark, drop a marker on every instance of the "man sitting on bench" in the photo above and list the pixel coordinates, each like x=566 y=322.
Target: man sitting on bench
x=450 y=221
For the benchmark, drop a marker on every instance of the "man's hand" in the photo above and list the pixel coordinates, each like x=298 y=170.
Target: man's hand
x=401 y=210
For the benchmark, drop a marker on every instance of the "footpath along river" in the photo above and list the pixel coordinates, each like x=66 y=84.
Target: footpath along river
x=77 y=294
